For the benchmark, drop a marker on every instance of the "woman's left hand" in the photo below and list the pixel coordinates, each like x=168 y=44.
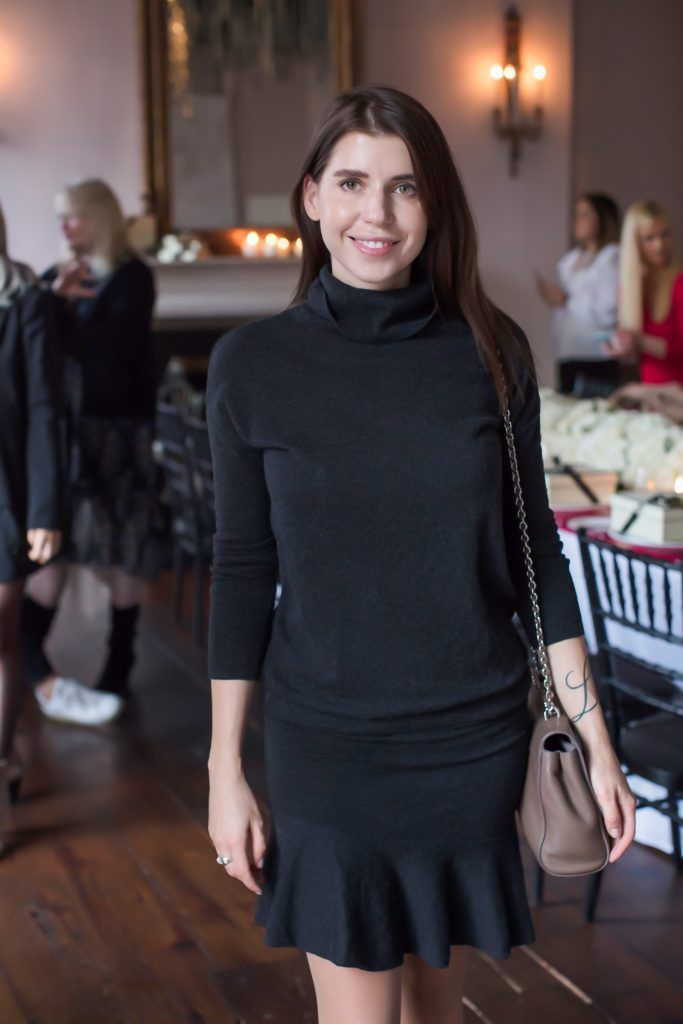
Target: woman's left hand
x=623 y=344
x=615 y=798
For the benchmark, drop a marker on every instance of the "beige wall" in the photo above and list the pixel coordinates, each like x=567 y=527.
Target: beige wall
x=69 y=107
x=442 y=52
x=629 y=89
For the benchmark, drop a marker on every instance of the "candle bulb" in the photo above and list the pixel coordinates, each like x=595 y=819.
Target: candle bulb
x=510 y=76
x=282 y=248
x=251 y=243
x=269 y=244
x=496 y=78
x=540 y=74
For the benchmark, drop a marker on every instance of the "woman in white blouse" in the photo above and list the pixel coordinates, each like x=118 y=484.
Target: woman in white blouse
x=585 y=300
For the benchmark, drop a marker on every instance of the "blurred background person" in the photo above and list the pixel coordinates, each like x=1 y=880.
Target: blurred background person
x=650 y=296
x=30 y=479
x=105 y=298
x=585 y=299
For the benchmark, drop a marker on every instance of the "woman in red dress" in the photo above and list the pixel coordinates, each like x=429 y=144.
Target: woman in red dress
x=650 y=296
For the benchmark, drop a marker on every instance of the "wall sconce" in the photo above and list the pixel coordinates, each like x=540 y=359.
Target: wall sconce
x=508 y=117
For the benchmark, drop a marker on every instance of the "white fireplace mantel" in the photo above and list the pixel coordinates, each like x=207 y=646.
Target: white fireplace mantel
x=221 y=290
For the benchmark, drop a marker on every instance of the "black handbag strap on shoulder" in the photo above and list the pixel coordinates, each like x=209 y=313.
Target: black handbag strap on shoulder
x=540 y=666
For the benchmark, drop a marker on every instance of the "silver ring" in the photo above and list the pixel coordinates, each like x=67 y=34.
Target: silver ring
x=223 y=860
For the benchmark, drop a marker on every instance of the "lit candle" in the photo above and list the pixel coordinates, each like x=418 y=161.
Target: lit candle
x=282 y=248
x=539 y=73
x=510 y=76
x=251 y=243
x=496 y=78
x=269 y=245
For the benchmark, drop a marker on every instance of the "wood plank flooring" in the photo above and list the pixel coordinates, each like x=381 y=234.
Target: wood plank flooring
x=113 y=910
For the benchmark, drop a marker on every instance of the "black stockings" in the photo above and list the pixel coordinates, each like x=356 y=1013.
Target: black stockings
x=11 y=685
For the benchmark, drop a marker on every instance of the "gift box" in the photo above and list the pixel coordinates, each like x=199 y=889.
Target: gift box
x=565 y=491
x=648 y=515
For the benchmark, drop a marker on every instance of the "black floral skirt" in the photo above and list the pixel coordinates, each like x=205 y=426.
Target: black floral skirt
x=114 y=512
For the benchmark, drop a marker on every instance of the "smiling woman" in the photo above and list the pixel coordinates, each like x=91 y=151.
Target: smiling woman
x=375 y=222
x=359 y=457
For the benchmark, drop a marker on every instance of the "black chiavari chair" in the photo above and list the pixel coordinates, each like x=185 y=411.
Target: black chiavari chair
x=196 y=436
x=637 y=600
x=187 y=529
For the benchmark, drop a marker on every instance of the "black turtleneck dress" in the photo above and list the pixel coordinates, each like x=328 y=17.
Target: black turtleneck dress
x=359 y=459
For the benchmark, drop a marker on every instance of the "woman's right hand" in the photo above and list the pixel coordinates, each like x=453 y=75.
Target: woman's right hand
x=550 y=292
x=236 y=826
x=43 y=544
x=71 y=280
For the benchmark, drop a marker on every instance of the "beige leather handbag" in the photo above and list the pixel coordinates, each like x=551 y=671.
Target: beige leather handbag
x=559 y=812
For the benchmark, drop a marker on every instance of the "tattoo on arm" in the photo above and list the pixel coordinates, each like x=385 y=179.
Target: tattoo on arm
x=583 y=686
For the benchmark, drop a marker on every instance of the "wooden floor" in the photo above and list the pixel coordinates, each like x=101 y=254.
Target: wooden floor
x=113 y=910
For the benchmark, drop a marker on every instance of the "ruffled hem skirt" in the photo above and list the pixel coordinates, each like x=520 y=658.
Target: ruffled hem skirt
x=380 y=848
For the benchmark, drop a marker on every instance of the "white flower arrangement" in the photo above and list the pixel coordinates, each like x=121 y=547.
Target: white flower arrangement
x=645 y=448
x=181 y=248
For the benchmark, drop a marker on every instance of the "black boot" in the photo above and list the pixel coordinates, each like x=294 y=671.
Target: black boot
x=36 y=620
x=121 y=656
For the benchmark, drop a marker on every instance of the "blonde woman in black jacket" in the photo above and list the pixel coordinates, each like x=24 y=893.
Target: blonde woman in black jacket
x=105 y=297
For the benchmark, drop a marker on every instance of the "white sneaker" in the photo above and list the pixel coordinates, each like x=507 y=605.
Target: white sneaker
x=71 y=701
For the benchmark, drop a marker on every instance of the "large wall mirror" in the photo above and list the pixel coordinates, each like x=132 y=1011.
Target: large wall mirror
x=233 y=89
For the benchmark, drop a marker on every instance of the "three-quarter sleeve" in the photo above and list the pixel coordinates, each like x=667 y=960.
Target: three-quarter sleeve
x=43 y=454
x=559 y=607
x=245 y=566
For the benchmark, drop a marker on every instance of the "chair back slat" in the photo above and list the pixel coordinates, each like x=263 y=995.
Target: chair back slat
x=650 y=595
x=604 y=565
x=623 y=591
x=634 y=590
x=668 y=603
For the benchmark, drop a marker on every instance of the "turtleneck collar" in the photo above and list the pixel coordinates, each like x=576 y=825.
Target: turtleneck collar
x=375 y=315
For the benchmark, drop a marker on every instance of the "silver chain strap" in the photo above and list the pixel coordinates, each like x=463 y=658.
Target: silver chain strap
x=540 y=667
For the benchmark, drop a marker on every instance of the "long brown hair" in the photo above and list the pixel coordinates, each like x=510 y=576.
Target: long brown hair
x=607 y=214
x=451 y=244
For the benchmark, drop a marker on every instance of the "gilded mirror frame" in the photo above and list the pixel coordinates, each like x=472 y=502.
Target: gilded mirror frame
x=157 y=197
